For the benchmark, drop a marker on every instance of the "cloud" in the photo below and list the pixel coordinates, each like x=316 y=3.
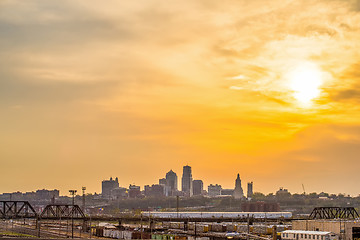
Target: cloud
x=349 y=88
x=323 y=157
x=148 y=76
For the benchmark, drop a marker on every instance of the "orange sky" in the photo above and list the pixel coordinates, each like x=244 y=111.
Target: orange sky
x=267 y=89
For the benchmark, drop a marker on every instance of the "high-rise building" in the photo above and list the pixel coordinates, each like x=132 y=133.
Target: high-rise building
x=186 y=181
x=214 y=190
x=198 y=187
x=134 y=191
x=250 y=190
x=119 y=193
x=171 y=183
x=108 y=185
x=156 y=190
x=46 y=194
x=162 y=181
x=238 y=191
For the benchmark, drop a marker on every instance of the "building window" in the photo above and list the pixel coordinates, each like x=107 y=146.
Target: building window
x=322 y=237
x=301 y=235
x=313 y=236
x=317 y=237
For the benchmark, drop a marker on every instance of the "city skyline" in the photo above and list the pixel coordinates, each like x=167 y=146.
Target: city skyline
x=131 y=89
x=113 y=183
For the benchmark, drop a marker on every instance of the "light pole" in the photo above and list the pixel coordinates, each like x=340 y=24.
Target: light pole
x=83 y=209
x=83 y=200
x=72 y=192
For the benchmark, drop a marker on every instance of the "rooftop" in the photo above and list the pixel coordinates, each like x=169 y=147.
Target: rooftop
x=306 y=232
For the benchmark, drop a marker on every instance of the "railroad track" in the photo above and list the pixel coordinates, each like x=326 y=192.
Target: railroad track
x=23 y=229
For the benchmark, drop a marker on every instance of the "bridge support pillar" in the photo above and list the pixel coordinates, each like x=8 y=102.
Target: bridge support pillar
x=151 y=225
x=38 y=224
x=85 y=226
x=274 y=233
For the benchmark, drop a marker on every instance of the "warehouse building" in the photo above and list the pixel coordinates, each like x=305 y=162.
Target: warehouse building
x=345 y=229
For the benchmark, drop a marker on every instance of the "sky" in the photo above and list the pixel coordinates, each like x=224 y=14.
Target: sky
x=132 y=89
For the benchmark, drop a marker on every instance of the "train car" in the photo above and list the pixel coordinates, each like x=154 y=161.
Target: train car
x=212 y=215
x=308 y=235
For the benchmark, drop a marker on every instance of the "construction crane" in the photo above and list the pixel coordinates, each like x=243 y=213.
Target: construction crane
x=303 y=189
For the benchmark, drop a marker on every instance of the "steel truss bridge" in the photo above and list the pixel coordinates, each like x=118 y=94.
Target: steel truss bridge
x=334 y=213
x=17 y=209
x=59 y=211
x=23 y=209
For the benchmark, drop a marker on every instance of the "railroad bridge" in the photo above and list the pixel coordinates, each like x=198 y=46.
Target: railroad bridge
x=333 y=213
x=17 y=209
x=23 y=209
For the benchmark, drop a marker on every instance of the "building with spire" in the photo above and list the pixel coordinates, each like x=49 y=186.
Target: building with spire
x=187 y=181
x=238 y=191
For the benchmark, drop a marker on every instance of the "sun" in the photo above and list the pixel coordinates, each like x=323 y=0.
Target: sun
x=305 y=80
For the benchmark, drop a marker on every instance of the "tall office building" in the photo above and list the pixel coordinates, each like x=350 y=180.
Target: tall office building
x=186 y=181
x=214 y=190
x=198 y=187
x=238 y=191
x=171 y=182
x=162 y=181
x=107 y=186
x=250 y=190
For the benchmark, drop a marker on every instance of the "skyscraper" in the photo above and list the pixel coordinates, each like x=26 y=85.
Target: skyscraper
x=107 y=186
x=186 y=181
x=238 y=191
x=250 y=190
x=171 y=182
x=198 y=187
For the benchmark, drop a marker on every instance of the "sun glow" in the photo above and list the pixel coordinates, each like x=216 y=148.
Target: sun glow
x=305 y=81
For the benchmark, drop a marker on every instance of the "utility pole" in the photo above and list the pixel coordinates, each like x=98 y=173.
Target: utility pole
x=248 y=227
x=90 y=227
x=195 y=229
x=177 y=206
x=72 y=192
x=141 y=227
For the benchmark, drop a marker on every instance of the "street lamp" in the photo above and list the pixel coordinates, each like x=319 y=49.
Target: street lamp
x=83 y=208
x=72 y=192
x=83 y=203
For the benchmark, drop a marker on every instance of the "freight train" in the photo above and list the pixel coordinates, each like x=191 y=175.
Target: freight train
x=212 y=215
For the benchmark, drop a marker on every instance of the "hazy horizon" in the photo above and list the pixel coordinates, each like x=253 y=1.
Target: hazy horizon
x=132 y=89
